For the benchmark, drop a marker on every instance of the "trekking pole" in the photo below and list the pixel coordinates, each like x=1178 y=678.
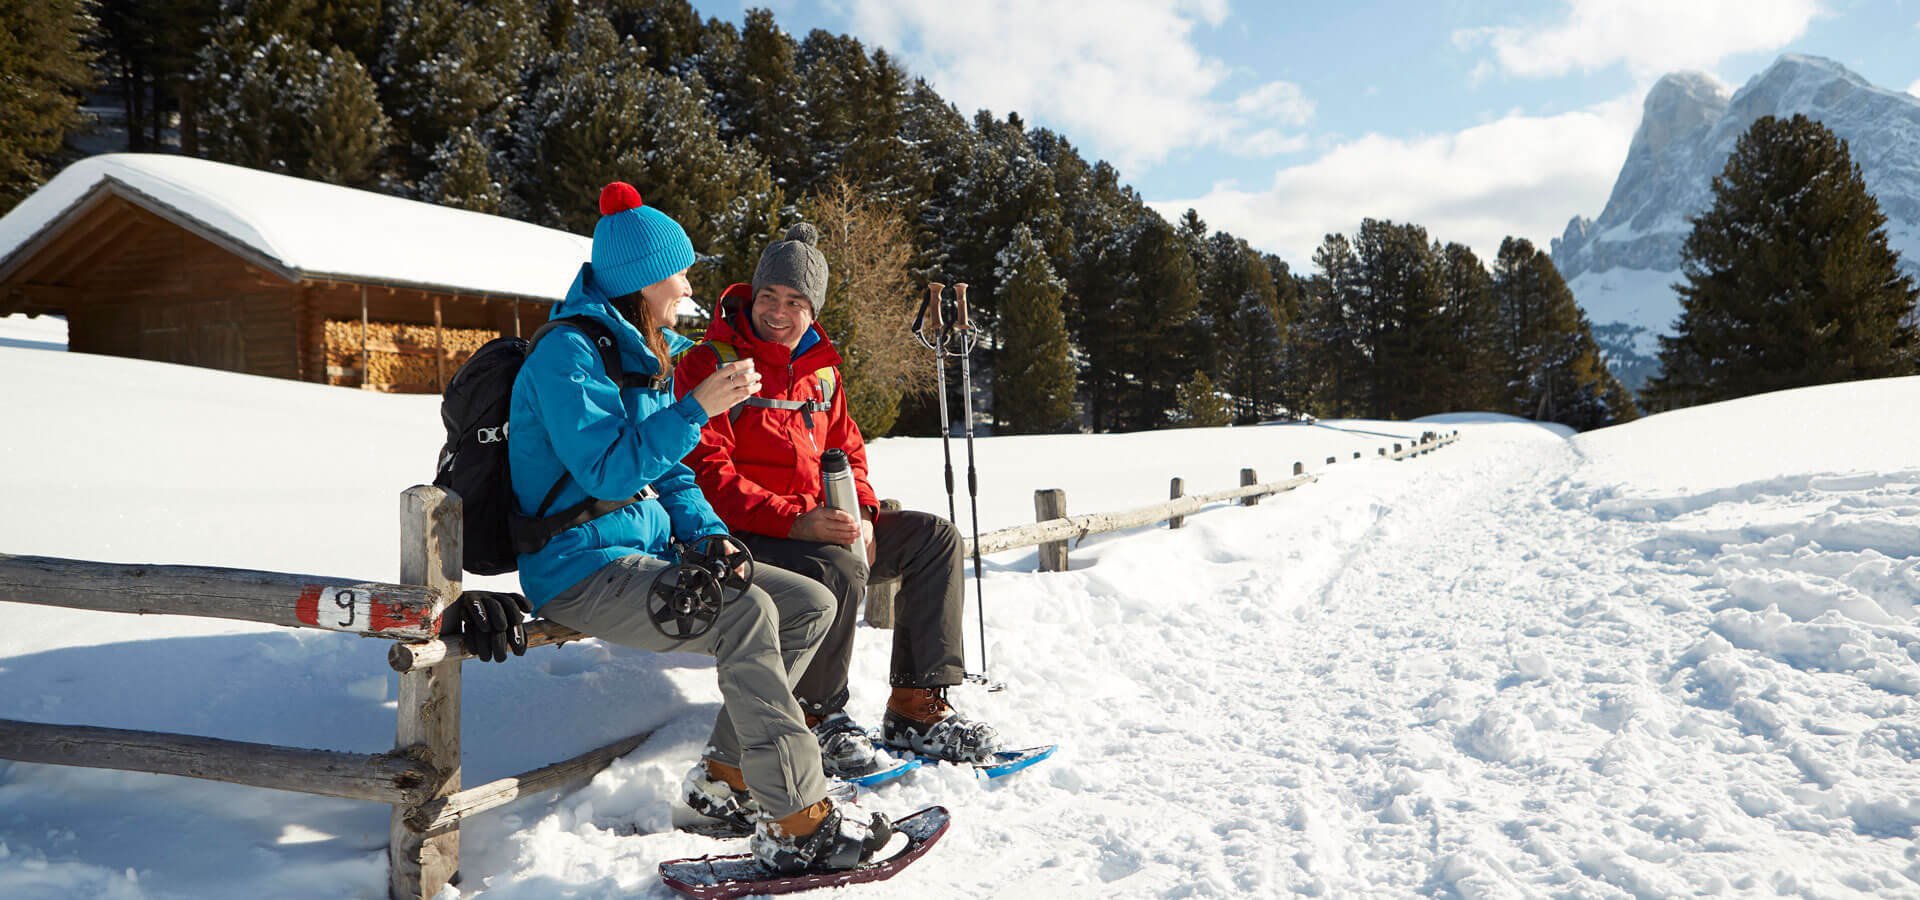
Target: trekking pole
x=967 y=338
x=938 y=344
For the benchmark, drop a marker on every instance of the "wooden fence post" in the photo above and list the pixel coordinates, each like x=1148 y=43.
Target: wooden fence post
x=1299 y=469
x=1175 y=492
x=1248 y=478
x=1396 y=449
x=1383 y=451
x=1356 y=454
x=420 y=865
x=1331 y=460
x=1051 y=504
x=880 y=594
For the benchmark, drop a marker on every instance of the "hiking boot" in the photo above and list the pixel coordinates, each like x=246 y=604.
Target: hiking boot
x=828 y=836
x=719 y=792
x=921 y=721
x=846 y=750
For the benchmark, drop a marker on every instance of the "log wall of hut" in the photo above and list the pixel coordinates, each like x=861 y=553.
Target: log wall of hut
x=134 y=284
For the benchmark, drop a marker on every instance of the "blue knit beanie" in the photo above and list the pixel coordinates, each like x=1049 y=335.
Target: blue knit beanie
x=635 y=245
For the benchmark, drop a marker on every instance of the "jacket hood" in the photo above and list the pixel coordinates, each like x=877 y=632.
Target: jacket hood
x=586 y=298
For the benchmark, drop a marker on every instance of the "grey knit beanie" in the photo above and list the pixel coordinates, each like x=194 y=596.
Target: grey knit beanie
x=796 y=263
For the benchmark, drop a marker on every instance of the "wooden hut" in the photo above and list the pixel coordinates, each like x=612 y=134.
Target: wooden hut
x=183 y=260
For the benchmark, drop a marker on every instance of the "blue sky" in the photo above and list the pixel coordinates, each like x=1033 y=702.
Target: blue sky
x=1281 y=122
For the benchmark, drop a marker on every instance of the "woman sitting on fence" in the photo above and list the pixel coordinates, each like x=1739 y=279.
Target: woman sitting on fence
x=574 y=434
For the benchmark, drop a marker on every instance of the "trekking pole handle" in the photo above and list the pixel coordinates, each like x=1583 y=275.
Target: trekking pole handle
x=934 y=290
x=960 y=300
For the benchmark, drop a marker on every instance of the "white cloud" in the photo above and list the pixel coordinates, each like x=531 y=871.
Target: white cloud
x=1518 y=175
x=1269 y=142
x=1650 y=37
x=1279 y=101
x=1914 y=88
x=1123 y=78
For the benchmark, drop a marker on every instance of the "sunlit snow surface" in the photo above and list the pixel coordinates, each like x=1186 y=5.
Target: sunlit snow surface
x=1670 y=658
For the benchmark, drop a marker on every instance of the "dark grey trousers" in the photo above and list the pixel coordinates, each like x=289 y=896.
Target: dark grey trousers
x=758 y=644
x=925 y=552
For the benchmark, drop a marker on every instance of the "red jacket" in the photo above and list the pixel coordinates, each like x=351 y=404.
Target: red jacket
x=762 y=471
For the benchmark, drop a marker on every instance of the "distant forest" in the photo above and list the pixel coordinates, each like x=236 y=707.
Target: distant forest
x=1094 y=311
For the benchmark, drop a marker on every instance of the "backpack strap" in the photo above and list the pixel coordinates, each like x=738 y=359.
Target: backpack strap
x=601 y=337
x=726 y=353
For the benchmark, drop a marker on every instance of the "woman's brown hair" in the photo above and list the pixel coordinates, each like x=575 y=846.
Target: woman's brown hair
x=634 y=308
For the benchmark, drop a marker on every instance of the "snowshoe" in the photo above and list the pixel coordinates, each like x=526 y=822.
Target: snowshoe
x=739 y=875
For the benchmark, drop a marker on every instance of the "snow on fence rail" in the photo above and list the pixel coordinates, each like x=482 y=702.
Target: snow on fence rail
x=420 y=777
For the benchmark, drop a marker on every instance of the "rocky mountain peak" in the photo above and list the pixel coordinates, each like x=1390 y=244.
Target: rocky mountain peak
x=1623 y=264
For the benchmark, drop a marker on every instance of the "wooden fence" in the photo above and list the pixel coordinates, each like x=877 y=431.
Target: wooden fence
x=420 y=777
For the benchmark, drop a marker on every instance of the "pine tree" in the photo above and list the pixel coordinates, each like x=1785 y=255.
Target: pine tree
x=346 y=131
x=669 y=31
x=1005 y=187
x=1469 y=324
x=461 y=175
x=1236 y=330
x=758 y=100
x=596 y=114
x=148 y=47
x=1200 y=404
x=1033 y=382
x=448 y=65
x=44 y=74
x=1789 y=278
x=1556 y=371
x=255 y=76
x=1253 y=370
x=1135 y=358
x=1330 y=374
x=1398 y=300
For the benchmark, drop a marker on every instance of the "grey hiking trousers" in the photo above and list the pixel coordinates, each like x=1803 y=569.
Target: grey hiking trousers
x=924 y=551
x=760 y=643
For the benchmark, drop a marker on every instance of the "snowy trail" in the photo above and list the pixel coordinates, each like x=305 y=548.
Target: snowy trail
x=1529 y=695
x=1508 y=684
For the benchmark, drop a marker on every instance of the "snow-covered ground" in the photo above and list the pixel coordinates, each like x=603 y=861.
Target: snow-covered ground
x=1675 y=657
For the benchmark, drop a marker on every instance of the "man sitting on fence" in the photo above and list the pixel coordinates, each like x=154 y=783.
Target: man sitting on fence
x=575 y=434
x=760 y=466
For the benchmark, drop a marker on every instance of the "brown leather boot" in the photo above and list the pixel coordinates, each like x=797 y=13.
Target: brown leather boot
x=924 y=705
x=805 y=821
x=921 y=721
x=731 y=776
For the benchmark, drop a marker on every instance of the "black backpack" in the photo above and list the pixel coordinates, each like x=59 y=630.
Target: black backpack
x=473 y=463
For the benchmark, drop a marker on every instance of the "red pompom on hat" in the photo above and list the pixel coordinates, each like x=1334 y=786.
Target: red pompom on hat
x=619 y=197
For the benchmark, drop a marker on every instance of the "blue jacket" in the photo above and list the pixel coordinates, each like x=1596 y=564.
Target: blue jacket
x=614 y=442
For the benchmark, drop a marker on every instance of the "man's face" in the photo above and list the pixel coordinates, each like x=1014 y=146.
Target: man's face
x=781 y=314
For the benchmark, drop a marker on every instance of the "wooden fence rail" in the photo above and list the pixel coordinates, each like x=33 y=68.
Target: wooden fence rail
x=397 y=611
x=420 y=777
x=391 y=778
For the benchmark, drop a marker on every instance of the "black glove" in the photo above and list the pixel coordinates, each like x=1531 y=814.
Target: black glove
x=490 y=623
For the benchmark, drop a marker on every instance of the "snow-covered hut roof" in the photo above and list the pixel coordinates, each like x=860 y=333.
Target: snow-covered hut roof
x=303 y=229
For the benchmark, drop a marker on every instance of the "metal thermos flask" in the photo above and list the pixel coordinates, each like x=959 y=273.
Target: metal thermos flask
x=837 y=477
